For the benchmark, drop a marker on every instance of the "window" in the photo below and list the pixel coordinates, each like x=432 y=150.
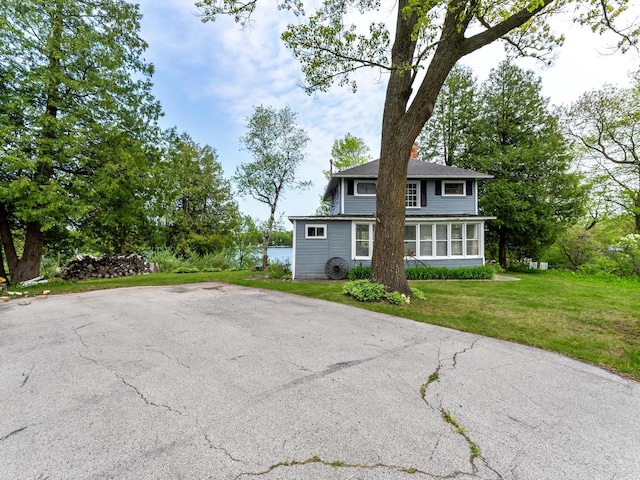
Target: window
x=363 y=240
x=411 y=198
x=426 y=240
x=453 y=188
x=410 y=241
x=366 y=188
x=457 y=242
x=472 y=239
x=316 y=231
x=442 y=240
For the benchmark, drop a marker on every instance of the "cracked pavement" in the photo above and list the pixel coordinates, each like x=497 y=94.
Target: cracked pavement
x=213 y=381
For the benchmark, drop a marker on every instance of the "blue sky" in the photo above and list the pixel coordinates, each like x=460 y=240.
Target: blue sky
x=210 y=76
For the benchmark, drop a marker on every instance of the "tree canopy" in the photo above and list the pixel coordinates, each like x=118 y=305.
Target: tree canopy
x=278 y=145
x=74 y=86
x=417 y=53
x=534 y=194
x=606 y=125
x=347 y=152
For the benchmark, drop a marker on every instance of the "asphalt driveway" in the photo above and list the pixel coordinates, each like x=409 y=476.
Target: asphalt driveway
x=212 y=381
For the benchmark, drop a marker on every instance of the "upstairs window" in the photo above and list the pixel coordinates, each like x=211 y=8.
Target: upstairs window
x=454 y=188
x=366 y=188
x=411 y=198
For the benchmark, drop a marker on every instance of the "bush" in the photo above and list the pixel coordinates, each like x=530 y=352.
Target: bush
x=166 y=260
x=397 y=298
x=433 y=273
x=359 y=272
x=278 y=270
x=186 y=269
x=364 y=290
x=444 y=273
x=212 y=262
x=418 y=294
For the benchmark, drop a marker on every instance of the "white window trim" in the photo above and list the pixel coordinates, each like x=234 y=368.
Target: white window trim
x=464 y=188
x=355 y=188
x=316 y=226
x=418 y=186
x=353 y=240
x=419 y=256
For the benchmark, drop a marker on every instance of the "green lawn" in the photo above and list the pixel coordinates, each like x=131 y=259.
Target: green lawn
x=589 y=319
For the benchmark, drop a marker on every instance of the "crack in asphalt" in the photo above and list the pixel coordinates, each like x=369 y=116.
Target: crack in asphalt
x=220 y=449
x=146 y=400
x=75 y=330
x=448 y=418
x=340 y=464
x=173 y=359
x=2 y=439
x=455 y=355
x=26 y=377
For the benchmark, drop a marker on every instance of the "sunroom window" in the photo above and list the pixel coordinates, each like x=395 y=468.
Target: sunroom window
x=410 y=241
x=442 y=240
x=363 y=240
x=472 y=239
x=426 y=240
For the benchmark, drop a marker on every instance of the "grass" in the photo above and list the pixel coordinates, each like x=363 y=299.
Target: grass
x=590 y=319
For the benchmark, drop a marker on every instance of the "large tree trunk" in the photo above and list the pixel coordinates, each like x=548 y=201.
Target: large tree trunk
x=401 y=125
x=3 y=272
x=28 y=266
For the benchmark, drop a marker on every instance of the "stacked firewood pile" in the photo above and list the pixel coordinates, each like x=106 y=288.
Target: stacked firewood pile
x=106 y=267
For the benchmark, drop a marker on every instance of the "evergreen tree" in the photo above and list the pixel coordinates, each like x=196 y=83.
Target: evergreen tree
x=199 y=210
x=443 y=137
x=533 y=194
x=73 y=73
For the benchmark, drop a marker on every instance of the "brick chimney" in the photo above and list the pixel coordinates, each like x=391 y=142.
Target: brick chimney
x=414 y=152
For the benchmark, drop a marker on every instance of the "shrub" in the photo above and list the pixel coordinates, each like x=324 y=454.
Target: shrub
x=186 y=269
x=212 y=262
x=278 y=270
x=433 y=273
x=165 y=258
x=397 y=298
x=444 y=273
x=364 y=290
x=359 y=272
x=418 y=294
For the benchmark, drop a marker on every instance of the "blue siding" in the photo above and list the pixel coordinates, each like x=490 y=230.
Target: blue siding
x=335 y=200
x=311 y=255
x=357 y=205
x=442 y=205
x=436 y=204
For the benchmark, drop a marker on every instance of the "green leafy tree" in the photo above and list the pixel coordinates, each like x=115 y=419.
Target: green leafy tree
x=429 y=37
x=606 y=124
x=347 y=152
x=245 y=239
x=533 y=194
x=443 y=136
x=277 y=144
x=120 y=193
x=200 y=212
x=72 y=72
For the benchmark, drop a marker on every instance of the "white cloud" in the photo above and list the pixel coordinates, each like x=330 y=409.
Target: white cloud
x=210 y=76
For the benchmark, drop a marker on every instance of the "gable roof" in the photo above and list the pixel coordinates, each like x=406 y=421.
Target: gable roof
x=416 y=169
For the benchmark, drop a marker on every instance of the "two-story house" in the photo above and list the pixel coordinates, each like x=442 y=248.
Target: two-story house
x=442 y=225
